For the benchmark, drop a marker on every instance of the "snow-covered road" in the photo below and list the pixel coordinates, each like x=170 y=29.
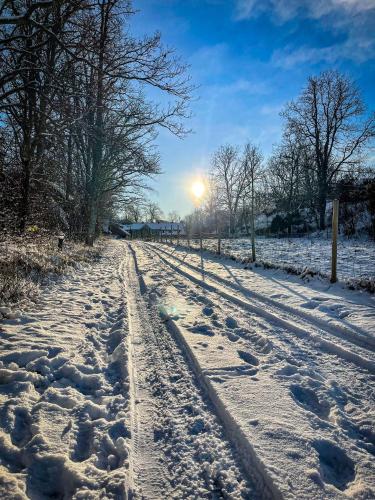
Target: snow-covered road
x=148 y=376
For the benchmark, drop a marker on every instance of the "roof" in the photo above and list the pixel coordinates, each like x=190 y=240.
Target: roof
x=133 y=227
x=137 y=226
x=166 y=225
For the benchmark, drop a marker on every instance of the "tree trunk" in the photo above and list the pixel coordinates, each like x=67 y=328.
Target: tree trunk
x=98 y=133
x=92 y=220
x=24 y=208
x=69 y=169
x=322 y=193
x=322 y=201
x=289 y=224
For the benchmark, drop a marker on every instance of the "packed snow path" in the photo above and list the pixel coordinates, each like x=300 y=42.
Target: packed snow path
x=146 y=376
x=179 y=449
x=98 y=401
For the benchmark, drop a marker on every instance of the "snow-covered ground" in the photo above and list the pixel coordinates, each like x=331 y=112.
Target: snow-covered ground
x=290 y=374
x=97 y=401
x=64 y=390
x=356 y=258
x=152 y=376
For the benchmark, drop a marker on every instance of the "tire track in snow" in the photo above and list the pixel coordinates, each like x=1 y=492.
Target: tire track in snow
x=198 y=461
x=308 y=374
x=147 y=471
x=336 y=330
x=294 y=326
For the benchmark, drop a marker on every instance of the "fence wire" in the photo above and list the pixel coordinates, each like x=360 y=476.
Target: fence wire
x=355 y=258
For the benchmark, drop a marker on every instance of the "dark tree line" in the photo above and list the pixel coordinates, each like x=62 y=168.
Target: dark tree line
x=77 y=127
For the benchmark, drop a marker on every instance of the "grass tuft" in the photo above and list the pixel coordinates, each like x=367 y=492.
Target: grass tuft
x=27 y=262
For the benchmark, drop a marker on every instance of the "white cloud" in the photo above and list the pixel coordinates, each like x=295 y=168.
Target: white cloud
x=245 y=9
x=209 y=59
x=240 y=85
x=355 y=49
x=284 y=10
x=355 y=19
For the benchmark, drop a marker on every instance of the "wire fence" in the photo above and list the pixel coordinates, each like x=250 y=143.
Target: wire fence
x=355 y=258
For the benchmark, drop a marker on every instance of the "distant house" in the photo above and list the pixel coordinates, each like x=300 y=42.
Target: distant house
x=119 y=231
x=150 y=229
x=167 y=228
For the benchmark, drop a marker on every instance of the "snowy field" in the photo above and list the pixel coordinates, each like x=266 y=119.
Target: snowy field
x=148 y=375
x=356 y=259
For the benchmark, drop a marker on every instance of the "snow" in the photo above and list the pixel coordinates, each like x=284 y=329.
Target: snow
x=356 y=258
x=153 y=373
x=64 y=401
x=298 y=405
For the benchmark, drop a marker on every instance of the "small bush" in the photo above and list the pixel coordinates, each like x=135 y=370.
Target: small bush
x=29 y=261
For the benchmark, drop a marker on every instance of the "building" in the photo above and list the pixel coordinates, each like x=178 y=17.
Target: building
x=150 y=229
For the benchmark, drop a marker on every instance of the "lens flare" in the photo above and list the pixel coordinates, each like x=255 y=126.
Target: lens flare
x=198 y=189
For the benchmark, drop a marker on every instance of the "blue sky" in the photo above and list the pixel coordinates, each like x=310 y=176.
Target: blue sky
x=248 y=58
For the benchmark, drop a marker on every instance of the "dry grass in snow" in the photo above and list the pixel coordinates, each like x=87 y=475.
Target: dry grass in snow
x=26 y=262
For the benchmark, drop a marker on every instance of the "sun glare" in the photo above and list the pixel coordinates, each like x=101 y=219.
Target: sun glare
x=198 y=189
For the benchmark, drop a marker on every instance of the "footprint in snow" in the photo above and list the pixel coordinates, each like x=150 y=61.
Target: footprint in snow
x=208 y=311
x=203 y=344
x=232 y=337
x=21 y=432
x=202 y=330
x=335 y=466
x=312 y=304
x=83 y=447
x=287 y=371
x=307 y=398
x=231 y=323
x=248 y=358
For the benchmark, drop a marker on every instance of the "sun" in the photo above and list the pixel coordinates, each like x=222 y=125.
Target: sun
x=198 y=189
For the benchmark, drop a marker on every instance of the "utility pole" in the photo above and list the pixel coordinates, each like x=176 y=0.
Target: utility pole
x=335 y=229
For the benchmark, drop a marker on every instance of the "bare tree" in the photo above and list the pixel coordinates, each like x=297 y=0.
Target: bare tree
x=288 y=176
x=328 y=115
x=228 y=174
x=73 y=103
x=251 y=164
x=133 y=211
x=31 y=66
x=122 y=67
x=174 y=216
x=152 y=211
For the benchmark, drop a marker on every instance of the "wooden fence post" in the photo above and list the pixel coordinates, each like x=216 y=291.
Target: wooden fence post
x=335 y=229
